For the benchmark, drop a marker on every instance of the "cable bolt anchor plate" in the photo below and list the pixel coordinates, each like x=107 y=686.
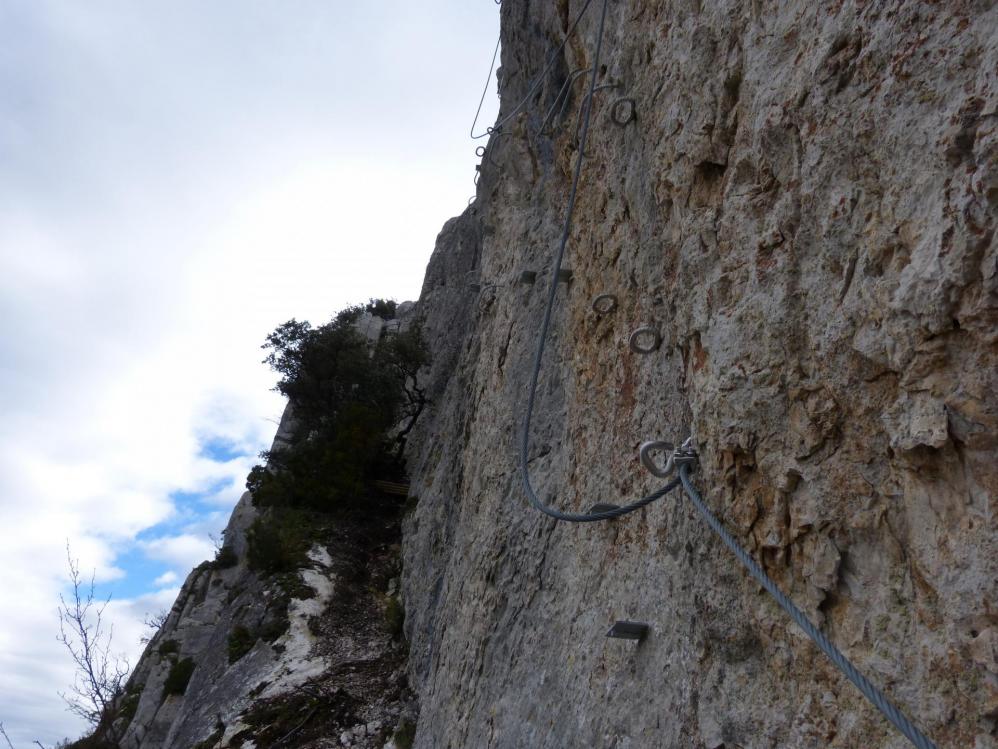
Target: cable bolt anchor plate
x=685 y=454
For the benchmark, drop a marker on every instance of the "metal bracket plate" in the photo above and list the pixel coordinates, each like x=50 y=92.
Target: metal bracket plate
x=627 y=630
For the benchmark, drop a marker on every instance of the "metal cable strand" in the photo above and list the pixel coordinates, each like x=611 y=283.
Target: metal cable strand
x=542 y=337
x=563 y=91
x=485 y=90
x=871 y=692
x=533 y=87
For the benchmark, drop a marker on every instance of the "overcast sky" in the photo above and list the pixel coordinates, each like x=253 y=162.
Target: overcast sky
x=177 y=177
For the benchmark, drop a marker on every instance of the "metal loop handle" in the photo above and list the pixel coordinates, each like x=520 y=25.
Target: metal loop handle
x=645 y=452
x=622 y=111
x=604 y=304
x=635 y=344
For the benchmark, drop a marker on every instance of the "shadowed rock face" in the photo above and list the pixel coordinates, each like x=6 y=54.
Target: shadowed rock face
x=804 y=204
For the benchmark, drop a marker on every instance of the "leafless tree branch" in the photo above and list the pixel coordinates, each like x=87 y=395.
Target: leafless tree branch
x=86 y=634
x=154 y=623
x=6 y=737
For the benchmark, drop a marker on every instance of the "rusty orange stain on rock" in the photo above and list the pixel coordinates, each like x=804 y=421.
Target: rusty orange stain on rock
x=699 y=355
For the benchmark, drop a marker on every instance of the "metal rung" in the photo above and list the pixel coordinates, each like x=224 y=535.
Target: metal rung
x=392 y=487
x=625 y=630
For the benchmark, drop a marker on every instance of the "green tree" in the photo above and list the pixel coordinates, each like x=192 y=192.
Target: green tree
x=354 y=404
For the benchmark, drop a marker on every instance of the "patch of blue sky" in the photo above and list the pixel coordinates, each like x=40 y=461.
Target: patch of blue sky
x=221 y=450
x=140 y=575
x=195 y=513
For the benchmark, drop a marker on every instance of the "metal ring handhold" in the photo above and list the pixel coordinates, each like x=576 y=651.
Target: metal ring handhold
x=604 y=304
x=622 y=111
x=647 y=330
x=646 y=460
x=480 y=151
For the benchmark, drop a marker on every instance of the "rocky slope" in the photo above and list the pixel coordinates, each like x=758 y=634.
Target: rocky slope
x=803 y=204
x=308 y=657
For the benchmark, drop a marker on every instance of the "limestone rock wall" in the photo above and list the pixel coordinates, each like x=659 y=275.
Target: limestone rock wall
x=804 y=204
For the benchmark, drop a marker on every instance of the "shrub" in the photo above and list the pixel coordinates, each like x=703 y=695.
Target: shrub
x=394 y=616
x=130 y=703
x=354 y=402
x=169 y=647
x=179 y=676
x=278 y=541
x=405 y=734
x=225 y=558
x=273 y=629
x=241 y=641
x=92 y=742
x=383 y=308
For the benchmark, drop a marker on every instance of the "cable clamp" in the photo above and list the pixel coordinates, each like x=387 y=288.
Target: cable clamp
x=649 y=463
x=686 y=455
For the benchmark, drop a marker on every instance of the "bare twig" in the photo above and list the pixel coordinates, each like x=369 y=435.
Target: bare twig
x=6 y=737
x=154 y=623
x=217 y=540
x=100 y=674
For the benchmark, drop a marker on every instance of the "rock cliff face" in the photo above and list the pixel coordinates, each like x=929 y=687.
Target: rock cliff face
x=804 y=205
x=801 y=199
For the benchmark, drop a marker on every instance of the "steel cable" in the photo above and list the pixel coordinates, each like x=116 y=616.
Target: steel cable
x=533 y=87
x=874 y=695
x=485 y=90
x=616 y=512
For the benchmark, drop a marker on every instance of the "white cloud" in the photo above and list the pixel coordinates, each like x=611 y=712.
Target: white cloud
x=165 y=580
x=131 y=617
x=178 y=179
x=184 y=551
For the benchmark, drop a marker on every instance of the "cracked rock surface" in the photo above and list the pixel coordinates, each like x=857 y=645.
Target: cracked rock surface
x=804 y=205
